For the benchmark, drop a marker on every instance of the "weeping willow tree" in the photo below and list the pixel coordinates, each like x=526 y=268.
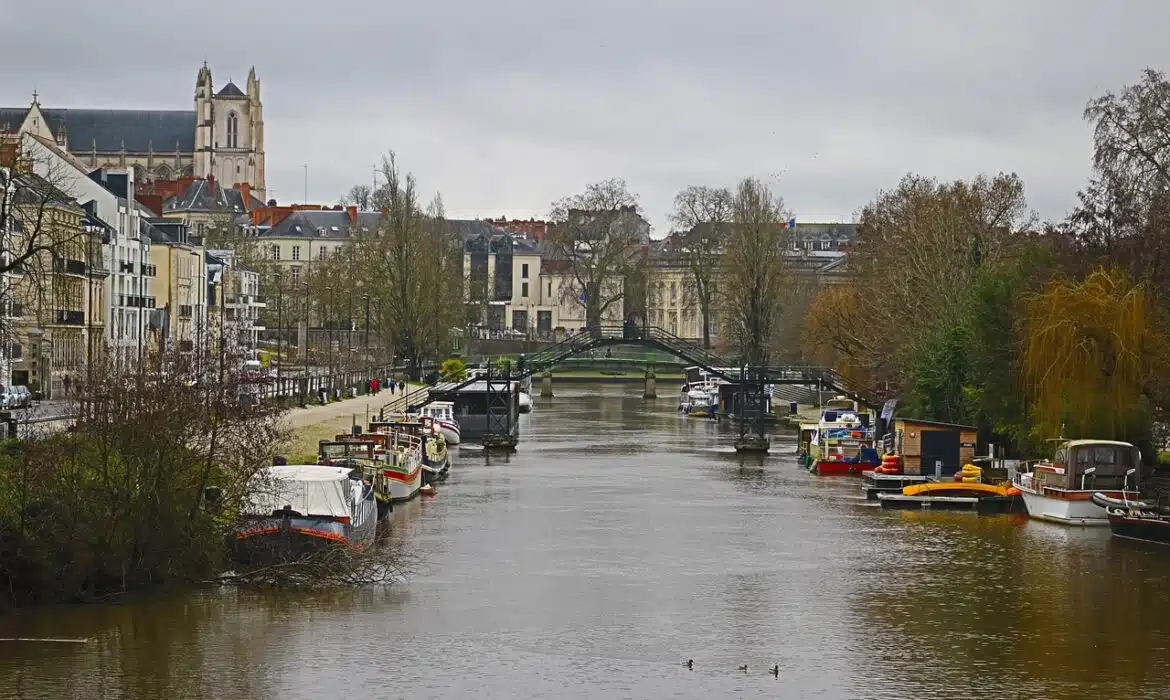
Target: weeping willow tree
x=1085 y=355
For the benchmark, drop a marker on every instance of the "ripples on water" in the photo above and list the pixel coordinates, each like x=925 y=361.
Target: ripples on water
x=621 y=540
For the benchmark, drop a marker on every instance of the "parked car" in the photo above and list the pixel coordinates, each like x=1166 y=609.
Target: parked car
x=15 y=397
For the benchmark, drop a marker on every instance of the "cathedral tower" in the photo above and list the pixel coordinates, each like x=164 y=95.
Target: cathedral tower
x=229 y=133
x=204 y=124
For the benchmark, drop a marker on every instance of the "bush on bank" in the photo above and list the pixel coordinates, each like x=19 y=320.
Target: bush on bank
x=119 y=503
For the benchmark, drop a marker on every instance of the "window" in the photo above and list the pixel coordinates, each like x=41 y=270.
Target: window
x=295 y=273
x=524 y=288
x=233 y=131
x=673 y=292
x=337 y=250
x=549 y=293
x=322 y=253
x=296 y=252
x=524 y=274
x=276 y=252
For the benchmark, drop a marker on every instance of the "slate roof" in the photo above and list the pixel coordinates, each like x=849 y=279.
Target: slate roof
x=140 y=129
x=230 y=90
x=306 y=224
x=199 y=196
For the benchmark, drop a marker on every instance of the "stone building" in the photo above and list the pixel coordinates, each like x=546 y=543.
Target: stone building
x=222 y=137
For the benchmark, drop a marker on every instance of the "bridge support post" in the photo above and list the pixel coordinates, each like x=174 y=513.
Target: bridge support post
x=651 y=391
x=546 y=391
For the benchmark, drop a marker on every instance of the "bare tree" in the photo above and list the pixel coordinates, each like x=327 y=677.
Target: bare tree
x=596 y=237
x=360 y=196
x=754 y=271
x=703 y=214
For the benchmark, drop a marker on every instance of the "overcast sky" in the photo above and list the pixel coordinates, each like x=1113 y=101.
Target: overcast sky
x=505 y=106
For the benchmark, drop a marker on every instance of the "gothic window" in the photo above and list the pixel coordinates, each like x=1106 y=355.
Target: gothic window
x=163 y=172
x=233 y=129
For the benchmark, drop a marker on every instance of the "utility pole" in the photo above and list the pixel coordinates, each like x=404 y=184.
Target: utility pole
x=305 y=393
x=348 y=331
x=366 y=327
x=279 y=327
x=329 y=324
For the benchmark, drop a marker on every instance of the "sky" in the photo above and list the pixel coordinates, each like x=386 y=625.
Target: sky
x=507 y=106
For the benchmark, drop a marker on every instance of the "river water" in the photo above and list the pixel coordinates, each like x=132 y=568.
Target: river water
x=621 y=540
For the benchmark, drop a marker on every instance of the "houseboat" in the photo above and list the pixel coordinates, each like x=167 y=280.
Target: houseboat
x=433 y=447
x=1061 y=489
x=402 y=461
x=365 y=452
x=844 y=441
x=443 y=414
x=294 y=510
x=700 y=399
x=471 y=404
x=1136 y=520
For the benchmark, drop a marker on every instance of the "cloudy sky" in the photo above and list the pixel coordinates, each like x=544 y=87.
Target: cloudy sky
x=505 y=106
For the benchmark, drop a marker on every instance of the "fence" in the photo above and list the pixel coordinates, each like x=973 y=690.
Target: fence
x=319 y=387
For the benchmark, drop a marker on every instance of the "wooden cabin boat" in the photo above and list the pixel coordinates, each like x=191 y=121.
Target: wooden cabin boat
x=1136 y=520
x=1061 y=489
x=294 y=510
x=364 y=451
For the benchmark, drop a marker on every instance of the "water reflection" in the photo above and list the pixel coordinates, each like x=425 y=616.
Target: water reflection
x=622 y=538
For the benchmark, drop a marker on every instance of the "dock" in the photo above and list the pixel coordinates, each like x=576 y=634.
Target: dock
x=986 y=505
x=873 y=483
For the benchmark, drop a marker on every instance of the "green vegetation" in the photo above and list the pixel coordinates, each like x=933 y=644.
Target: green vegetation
x=453 y=370
x=969 y=311
x=120 y=503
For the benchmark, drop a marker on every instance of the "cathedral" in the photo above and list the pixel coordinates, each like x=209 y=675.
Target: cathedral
x=222 y=137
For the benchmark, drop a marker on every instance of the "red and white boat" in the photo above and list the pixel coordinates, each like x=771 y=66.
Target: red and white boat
x=843 y=441
x=401 y=464
x=1061 y=489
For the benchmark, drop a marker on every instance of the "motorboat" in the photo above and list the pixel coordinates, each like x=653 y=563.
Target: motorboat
x=700 y=399
x=524 y=401
x=1136 y=520
x=1061 y=489
x=843 y=443
x=443 y=414
x=294 y=510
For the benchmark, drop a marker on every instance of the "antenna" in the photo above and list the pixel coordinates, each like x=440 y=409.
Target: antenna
x=306 y=200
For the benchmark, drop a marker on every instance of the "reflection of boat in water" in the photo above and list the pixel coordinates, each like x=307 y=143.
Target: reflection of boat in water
x=1136 y=520
x=294 y=510
x=1061 y=489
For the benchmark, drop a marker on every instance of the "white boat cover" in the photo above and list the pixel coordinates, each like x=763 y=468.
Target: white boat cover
x=309 y=489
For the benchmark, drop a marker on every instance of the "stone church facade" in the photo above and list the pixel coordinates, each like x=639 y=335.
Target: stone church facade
x=222 y=137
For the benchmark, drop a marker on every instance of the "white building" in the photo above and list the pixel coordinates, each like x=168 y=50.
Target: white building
x=127 y=252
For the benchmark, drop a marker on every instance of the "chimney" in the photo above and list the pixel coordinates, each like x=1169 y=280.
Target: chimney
x=351 y=212
x=211 y=184
x=246 y=194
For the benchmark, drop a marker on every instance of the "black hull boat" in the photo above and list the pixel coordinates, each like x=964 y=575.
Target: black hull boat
x=295 y=511
x=1136 y=520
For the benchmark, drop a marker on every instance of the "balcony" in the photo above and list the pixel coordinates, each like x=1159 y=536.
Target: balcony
x=135 y=302
x=126 y=267
x=71 y=267
x=70 y=318
x=147 y=270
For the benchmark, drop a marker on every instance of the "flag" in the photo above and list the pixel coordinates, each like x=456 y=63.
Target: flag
x=792 y=223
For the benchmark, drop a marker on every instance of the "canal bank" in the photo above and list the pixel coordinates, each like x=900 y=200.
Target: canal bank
x=621 y=539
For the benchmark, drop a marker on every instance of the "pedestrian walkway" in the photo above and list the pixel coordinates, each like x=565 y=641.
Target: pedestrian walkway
x=314 y=423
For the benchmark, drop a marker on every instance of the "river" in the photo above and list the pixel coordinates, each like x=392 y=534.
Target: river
x=621 y=540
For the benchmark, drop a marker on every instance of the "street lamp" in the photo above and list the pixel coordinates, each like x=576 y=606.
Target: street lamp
x=366 y=327
x=329 y=323
x=279 y=326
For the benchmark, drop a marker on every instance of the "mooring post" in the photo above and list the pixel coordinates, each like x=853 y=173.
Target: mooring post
x=546 y=391
x=651 y=390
